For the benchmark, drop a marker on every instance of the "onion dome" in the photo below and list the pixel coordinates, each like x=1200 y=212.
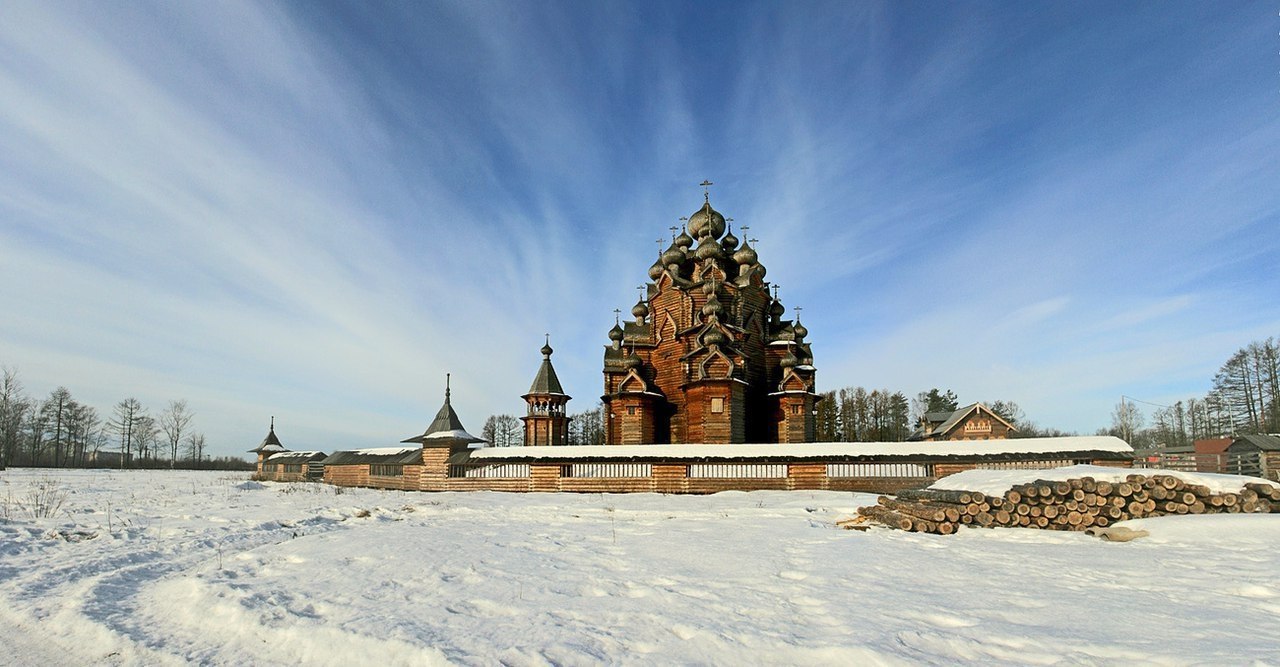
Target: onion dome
x=800 y=331
x=713 y=337
x=656 y=270
x=776 y=309
x=729 y=242
x=709 y=249
x=546 y=348
x=674 y=254
x=633 y=360
x=683 y=240
x=706 y=221
x=745 y=255
x=640 y=310
x=712 y=307
x=615 y=334
x=790 y=360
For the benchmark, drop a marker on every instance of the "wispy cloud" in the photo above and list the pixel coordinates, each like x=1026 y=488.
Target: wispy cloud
x=317 y=210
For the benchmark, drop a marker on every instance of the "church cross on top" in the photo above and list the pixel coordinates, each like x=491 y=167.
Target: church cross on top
x=706 y=189
x=616 y=313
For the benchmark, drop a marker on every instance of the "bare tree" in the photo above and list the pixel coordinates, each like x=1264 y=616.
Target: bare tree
x=124 y=423
x=173 y=423
x=13 y=409
x=1126 y=420
x=56 y=411
x=82 y=422
x=195 y=447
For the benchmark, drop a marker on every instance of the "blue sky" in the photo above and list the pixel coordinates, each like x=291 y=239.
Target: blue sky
x=315 y=210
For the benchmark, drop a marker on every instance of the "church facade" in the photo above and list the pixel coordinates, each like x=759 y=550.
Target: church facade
x=708 y=358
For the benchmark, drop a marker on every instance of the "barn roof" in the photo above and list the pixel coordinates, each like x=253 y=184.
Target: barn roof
x=1267 y=443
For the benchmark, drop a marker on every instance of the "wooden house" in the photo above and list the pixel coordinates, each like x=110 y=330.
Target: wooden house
x=972 y=422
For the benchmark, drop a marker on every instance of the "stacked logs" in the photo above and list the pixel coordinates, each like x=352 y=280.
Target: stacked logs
x=1073 y=504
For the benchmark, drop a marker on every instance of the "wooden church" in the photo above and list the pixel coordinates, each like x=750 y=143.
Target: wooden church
x=708 y=358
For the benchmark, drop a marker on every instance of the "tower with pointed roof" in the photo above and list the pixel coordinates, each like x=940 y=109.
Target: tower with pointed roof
x=446 y=429
x=709 y=357
x=269 y=445
x=546 y=421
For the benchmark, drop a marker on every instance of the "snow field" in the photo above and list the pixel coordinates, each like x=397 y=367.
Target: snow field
x=208 y=568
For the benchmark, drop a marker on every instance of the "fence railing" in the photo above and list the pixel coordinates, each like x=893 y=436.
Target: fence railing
x=489 y=470
x=879 y=470
x=606 y=470
x=738 y=471
x=1232 y=464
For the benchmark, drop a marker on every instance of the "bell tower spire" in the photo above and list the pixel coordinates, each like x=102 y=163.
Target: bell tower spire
x=546 y=421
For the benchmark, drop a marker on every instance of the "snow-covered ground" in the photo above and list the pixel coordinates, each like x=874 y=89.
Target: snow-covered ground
x=195 y=567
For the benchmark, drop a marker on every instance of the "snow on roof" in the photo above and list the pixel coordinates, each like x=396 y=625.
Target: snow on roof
x=997 y=482
x=384 y=451
x=288 y=455
x=1103 y=443
x=456 y=434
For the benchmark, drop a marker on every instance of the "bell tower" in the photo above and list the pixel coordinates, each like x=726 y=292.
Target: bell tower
x=546 y=421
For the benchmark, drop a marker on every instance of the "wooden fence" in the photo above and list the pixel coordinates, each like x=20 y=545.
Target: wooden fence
x=1231 y=464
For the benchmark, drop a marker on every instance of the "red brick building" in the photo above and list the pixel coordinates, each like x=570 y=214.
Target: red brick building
x=708 y=357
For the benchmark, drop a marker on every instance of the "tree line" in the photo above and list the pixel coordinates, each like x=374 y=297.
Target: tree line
x=852 y=414
x=585 y=428
x=1244 y=399
x=59 y=431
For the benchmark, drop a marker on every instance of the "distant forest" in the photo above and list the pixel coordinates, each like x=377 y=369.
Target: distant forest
x=60 y=432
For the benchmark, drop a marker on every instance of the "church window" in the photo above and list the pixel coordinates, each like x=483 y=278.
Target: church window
x=717 y=404
x=631 y=409
x=795 y=409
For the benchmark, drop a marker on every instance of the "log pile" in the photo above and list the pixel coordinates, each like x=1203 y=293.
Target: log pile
x=1073 y=504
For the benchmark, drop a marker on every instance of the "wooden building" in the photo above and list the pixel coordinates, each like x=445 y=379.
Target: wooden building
x=1266 y=448
x=278 y=464
x=844 y=466
x=414 y=467
x=291 y=467
x=972 y=422
x=708 y=357
x=269 y=445
x=546 y=420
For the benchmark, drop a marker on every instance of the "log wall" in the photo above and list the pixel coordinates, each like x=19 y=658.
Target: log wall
x=664 y=477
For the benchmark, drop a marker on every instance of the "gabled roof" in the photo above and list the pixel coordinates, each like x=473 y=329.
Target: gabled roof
x=270 y=443
x=1267 y=443
x=952 y=419
x=446 y=426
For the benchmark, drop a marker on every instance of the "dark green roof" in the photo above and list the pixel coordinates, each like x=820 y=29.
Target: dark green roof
x=384 y=455
x=1266 y=443
x=546 y=381
x=446 y=427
